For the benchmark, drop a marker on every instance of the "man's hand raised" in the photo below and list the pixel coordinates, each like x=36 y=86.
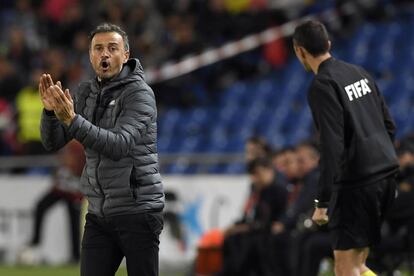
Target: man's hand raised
x=44 y=83
x=62 y=103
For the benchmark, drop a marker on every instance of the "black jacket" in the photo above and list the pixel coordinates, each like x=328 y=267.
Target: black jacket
x=303 y=204
x=269 y=205
x=354 y=125
x=116 y=124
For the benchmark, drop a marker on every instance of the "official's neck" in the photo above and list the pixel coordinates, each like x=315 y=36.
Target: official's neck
x=316 y=61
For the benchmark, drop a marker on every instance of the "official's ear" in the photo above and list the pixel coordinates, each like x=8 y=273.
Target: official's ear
x=297 y=50
x=302 y=53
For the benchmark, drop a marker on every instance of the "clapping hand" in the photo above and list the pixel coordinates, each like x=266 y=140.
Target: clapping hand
x=53 y=98
x=44 y=83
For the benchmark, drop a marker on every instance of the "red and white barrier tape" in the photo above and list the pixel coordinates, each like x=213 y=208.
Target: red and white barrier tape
x=230 y=49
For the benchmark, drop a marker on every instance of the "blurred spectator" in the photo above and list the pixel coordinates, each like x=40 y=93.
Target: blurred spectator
x=53 y=64
x=219 y=26
x=66 y=188
x=184 y=37
x=308 y=160
x=161 y=31
x=23 y=17
x=286 y=162
x=78 y=67
x=8 y=143
x=18 y=52
x=10 y=82
x=72 y=21
x=403 y=208
x=256 y=147
x=29 y=110
x=113 y=12
x=298 y=210
x=246 y=248
x=55 y=10
x=147 y=32
x=237 y=6
x=276 y=52
x=398 y=233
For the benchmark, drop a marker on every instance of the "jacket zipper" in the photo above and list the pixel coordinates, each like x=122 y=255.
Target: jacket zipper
x=98 y=102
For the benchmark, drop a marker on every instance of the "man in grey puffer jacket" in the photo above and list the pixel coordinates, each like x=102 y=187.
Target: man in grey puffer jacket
x=114 y=117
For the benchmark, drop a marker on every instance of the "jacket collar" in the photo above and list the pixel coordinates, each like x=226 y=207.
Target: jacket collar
x=324 y=64
x=131 y=71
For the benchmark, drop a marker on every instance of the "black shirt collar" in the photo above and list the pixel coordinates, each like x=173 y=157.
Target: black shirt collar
x=325 y=63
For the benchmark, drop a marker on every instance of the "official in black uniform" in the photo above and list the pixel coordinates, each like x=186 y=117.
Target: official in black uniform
x=358 y=161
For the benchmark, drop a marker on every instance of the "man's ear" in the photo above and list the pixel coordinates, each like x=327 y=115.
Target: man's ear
x=90 y=55
x=329 y=45
x=126 y=56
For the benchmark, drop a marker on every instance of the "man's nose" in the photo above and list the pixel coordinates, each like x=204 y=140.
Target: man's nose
x=105 y=53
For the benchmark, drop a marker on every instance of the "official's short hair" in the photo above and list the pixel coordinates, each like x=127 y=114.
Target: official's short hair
x=108 y=28
x=259 y=162
x=313 y=36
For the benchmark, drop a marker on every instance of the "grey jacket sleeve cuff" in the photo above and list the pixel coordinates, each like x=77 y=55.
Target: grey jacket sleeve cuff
x=75 y=124
x=48 y=112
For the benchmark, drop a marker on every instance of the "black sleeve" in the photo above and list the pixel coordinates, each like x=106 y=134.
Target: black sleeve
x=279 y=203
x=270 y=207
x=328 y=116
x=388 y=121
x=53 y=133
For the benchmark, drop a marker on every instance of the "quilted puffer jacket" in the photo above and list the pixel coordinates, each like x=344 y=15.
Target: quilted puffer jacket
x=116 y=123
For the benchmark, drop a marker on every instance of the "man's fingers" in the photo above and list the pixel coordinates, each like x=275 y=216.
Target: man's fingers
x=43 y=81
x=61 y=98
x=41 y=90
x=59 y=84
x=49 y=80
x=68 y=96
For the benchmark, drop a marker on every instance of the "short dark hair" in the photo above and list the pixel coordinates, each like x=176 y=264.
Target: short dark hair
x=313 y=36
x=283 y=151
x=311 y=144
x=258 y=162
x=406 y=145
x=260 y=142
x=108 y=28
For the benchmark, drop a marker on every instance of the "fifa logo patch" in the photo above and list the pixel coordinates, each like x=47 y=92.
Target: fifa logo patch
x=357 y=89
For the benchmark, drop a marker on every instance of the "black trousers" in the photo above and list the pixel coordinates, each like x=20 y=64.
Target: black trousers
x=107 y=240
x=74 y=207
x=247 y=254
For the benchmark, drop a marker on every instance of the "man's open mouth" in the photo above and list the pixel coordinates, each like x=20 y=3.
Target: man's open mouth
x=105 y=65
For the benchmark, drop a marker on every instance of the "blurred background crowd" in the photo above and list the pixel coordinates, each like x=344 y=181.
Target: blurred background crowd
x=52 y=36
